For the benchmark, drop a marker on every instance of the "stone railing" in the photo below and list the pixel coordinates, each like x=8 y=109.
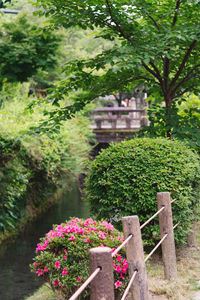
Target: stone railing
x=118 y=118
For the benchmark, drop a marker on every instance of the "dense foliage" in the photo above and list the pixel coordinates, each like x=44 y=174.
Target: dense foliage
x=184 y=121
x=62 y=257
x=26 y=47
x=14 y=176
x=32 y=167
x=155 y=43
x=125 y=178
x=3 y=2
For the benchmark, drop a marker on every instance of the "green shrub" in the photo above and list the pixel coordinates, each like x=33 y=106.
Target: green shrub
x=124 y=179
x=62 y=257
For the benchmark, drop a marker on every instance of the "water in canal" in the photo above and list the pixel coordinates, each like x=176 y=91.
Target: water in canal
x=16 y=280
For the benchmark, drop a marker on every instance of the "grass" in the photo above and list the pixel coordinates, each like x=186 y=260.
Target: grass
x=188 y=266
x=184 y=288
x=43 y=293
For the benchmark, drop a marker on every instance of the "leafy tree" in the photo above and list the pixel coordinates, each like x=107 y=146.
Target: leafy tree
x=25 y=47
x=185 y=123
x=3 y=2
x=156 y=43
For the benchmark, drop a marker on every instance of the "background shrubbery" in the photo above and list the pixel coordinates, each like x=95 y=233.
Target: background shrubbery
x=125 y=178
x=33 y=166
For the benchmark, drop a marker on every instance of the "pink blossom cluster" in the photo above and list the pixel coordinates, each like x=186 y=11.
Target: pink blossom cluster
x=75 y=226
x=77 y=232
x=120 y=266
x=38 y=269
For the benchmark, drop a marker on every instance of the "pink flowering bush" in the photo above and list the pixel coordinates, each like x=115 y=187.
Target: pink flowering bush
x=62 y=257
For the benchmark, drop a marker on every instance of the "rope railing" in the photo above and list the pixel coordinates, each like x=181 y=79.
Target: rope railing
x=85 y=284
x=149 y=220
x=125 y=242
x=122 y=245
x=157 y=213
x=173 y=200
x=156 y=247
x=151 y=253
x=176 y=224
x=129 y=285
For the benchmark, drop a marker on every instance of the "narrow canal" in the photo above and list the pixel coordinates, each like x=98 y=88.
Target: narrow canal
x=16 y=280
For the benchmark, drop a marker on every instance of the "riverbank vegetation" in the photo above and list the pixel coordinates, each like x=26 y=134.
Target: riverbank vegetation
x=32 y=166
x=35 y=165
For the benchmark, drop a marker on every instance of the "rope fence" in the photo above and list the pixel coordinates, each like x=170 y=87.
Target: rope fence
x=85 y=284
x=122 y=245
x=129 y=285
x=101 y=257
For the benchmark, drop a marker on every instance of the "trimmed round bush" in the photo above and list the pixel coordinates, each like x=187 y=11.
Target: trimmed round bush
x=125 y=178
x=62 y=257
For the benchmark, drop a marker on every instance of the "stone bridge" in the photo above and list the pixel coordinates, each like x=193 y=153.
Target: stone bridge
x=114 y=124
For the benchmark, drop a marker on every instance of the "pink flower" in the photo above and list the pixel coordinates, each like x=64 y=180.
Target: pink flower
x=57 y=264
x=64 y=272
x=119 y=258
x=118 y=269
x=65 y=251
x=125 y=266
x=46 y=269
x=108 y=226
x=71 y=238
x=86 y=240
x=118 y=284
x=102 y=236
x=42 y=247
x=122 y=277
x=65 y=257
x=35 y=264
x=39 y=272
x=56 y=282
x=79 y=279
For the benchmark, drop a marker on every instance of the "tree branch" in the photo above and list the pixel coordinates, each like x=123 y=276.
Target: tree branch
x=166 y=63
x=182 y=65
x=118 y=27
x=186 y=90
x=178 y=3
x=156 y=70
x=155 y=73
x=154 y=21
x=186 y=78
x=150 y=70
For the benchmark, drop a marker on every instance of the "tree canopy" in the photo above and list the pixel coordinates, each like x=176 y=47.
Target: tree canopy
x=3 y=3
x=25 y=47
x=155 y=42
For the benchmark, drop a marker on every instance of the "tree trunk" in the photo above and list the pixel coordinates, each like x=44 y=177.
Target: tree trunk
x=169 y=125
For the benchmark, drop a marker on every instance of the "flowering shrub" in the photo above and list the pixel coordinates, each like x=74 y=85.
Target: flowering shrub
x=62 y=257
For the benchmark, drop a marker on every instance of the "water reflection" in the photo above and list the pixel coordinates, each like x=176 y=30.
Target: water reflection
x=16 y=280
